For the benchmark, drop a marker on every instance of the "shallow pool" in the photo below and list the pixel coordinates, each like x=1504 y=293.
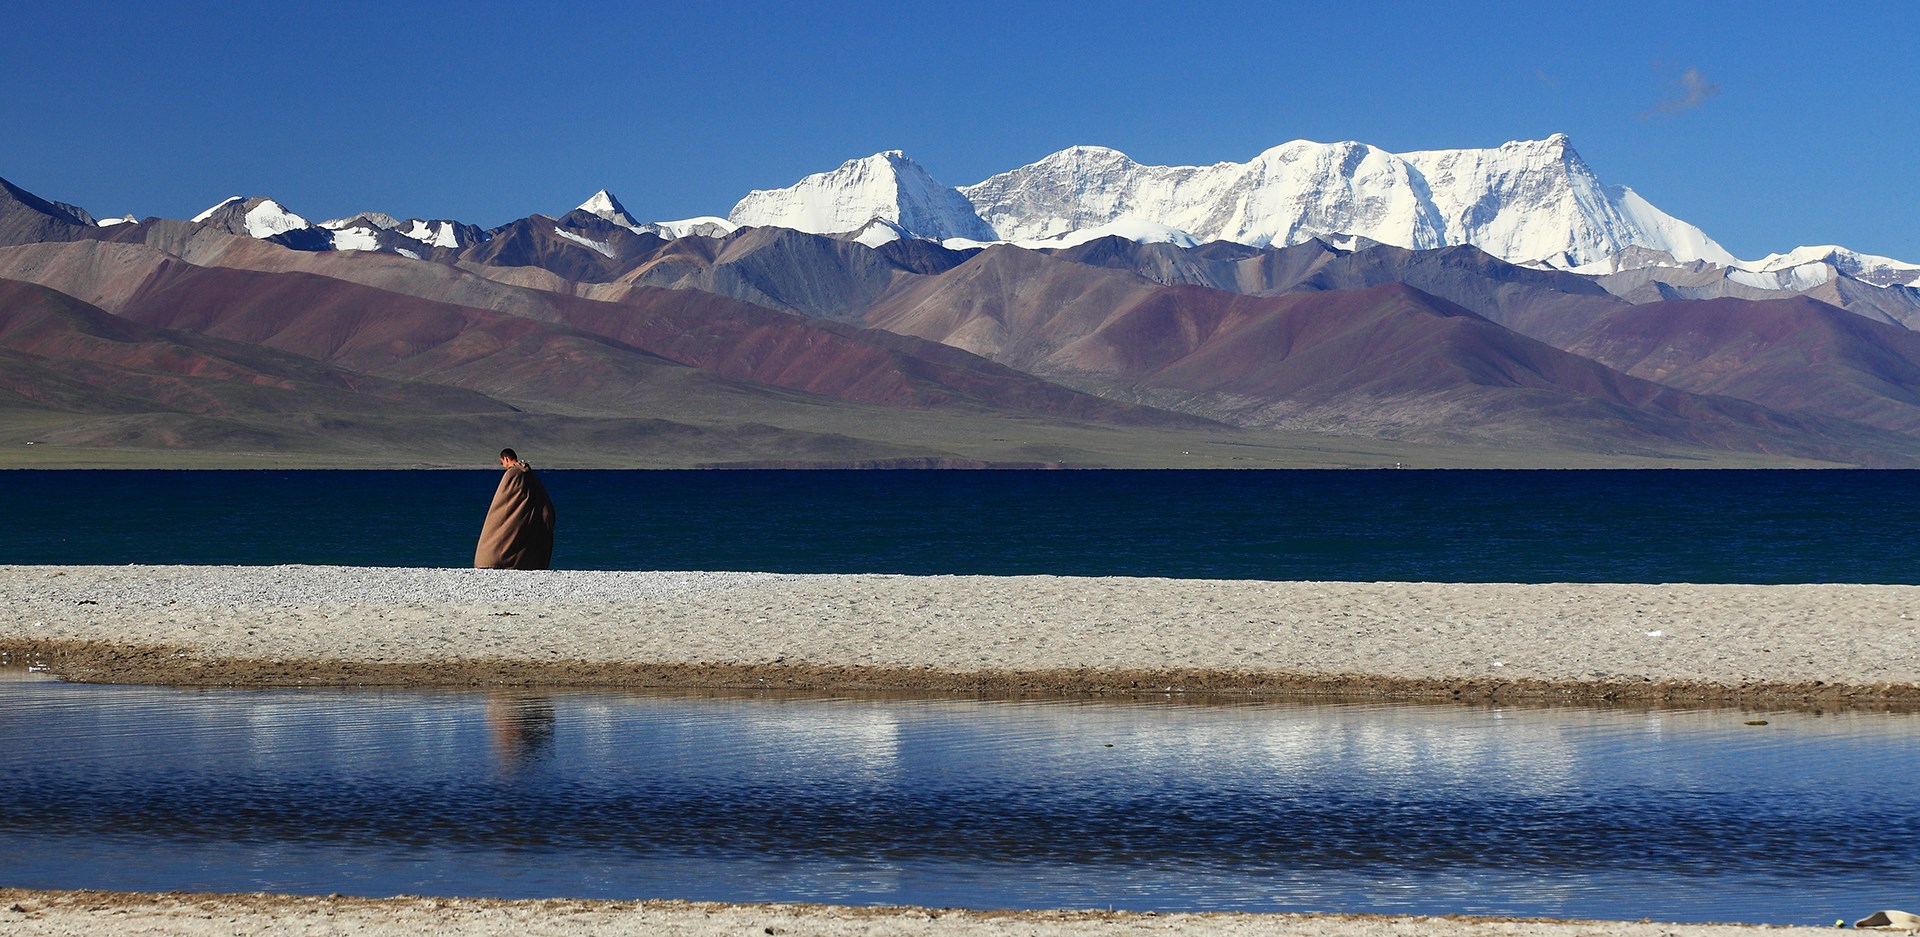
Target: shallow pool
x=1678 y=815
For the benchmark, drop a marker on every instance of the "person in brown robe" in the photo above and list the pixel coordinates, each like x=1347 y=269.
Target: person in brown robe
x=518 y=533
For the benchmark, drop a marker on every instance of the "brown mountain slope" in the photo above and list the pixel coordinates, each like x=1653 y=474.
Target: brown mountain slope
x=594 y=354
x=1795 y=355
x=1011 y=305
x=65 y=354
x=1338 y=352
x=1532 y=302
x=1387 y=361
x=103 y=389
x=1399 y=362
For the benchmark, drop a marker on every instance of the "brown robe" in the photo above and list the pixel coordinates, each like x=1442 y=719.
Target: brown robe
x=518 y=533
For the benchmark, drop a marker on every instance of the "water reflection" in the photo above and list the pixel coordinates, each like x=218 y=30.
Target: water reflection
x=521 y=726
x=1681 y=815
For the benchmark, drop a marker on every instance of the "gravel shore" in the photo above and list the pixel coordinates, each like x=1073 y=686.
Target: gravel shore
x=1815 y=645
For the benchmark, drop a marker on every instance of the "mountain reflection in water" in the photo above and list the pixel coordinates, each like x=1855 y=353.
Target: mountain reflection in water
x=1681 y=815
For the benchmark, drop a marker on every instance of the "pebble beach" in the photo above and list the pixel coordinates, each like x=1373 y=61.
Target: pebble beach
x=1813 y=645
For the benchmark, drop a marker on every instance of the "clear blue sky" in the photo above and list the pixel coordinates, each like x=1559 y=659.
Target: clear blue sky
x=1768 y=125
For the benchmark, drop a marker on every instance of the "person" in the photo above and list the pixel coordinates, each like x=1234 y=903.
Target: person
x=518 y=533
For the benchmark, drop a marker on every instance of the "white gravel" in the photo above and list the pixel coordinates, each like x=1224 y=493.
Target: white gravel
x=1857 y=635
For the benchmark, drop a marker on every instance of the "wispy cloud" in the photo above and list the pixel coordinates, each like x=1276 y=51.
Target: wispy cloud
x=1693 y=90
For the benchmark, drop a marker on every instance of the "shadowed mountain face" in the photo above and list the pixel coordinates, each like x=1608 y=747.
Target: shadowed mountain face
x=770 y=344
x=811 y=274
x=26 y=218
x=783 y=269
x=582 y=248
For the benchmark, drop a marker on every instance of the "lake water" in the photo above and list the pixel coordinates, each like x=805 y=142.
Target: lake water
x=1614 y=814
x=1448 y=526
x=1674 y=815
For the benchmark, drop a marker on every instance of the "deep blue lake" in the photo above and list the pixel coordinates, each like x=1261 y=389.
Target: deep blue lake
x=1621 y=814
x=1451 y=526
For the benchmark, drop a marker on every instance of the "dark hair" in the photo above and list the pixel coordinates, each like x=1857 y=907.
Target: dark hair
x=509 y=454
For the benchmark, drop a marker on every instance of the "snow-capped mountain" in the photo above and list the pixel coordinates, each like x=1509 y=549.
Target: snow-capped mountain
x=376 y=231
x=253 y=217
x=267 y=219
x=1525 y=202
x=1133 y=229
x=708 y=226
x=604 y=205
x=1881 y=271
x=366 y=219
x=1537 y=201
x=887 y=186
x=1532 y=202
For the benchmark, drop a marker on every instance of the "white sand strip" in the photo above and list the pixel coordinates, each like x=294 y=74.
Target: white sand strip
x=1725 y=635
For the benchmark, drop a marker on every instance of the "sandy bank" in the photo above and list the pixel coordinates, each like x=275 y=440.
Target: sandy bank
x=37 y=914
x=1816 y=645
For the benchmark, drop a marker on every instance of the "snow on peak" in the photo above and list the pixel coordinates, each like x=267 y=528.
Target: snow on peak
x=254 y=217
x=604 y=205
x=711 y=226
x=355 y=238
x=371 y=219
x=1086 y=154
x=203 y=216
x=1880 y=271
x=1133 y=229
x=1796 y=279
x=1554 y=143
x=1524 y=201
x=879 y=231
x=886 y=185
x=1285 y=195
x=434 y=233
x=269 y=218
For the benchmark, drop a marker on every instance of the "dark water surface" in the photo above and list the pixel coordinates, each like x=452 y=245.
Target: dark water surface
x=1448 y=526
x=1687 y=816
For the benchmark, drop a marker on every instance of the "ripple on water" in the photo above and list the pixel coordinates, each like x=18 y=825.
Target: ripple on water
x=1683 y=815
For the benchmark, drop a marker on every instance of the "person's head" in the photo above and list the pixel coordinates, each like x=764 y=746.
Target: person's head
x=507 y=457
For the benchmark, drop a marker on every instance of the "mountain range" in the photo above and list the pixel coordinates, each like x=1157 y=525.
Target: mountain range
x=1321 y=304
